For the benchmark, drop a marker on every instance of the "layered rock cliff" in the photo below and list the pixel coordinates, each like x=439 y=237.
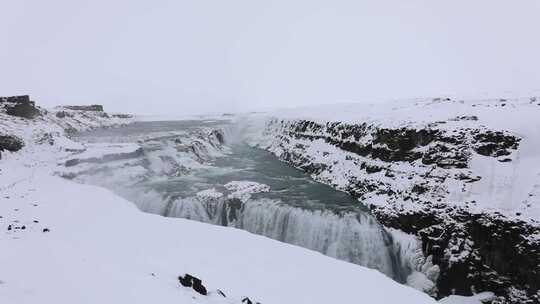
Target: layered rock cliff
x=22 y=122
x=460 y=175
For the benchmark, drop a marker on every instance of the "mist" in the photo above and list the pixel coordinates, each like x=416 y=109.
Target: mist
x=186 y=57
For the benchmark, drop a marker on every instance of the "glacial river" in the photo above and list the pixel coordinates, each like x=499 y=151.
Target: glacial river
x=243 y=187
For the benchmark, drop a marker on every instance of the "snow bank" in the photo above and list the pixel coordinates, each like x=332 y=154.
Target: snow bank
x=480 y=298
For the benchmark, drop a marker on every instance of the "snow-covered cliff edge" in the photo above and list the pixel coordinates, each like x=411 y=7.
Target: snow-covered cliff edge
x=461 y=175
x=64 y=242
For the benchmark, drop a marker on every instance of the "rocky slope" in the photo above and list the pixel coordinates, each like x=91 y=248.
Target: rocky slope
x=462 y=176
x=24 y=124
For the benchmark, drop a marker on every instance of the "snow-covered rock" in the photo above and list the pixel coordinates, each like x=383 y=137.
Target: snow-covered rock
x=243 y=189
x=480 y=298
x=462 y=175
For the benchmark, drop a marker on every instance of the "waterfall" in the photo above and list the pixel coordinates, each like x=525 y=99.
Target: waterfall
x=168 y=178
x=353 y=237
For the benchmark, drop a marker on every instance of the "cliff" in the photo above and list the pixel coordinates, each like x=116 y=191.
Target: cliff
x=460 y=175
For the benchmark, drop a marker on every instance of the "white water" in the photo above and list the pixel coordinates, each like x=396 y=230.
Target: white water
x=297 y=210
x=352 y=237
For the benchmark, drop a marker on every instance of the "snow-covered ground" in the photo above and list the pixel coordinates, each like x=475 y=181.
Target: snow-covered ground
x=511 y=188
x=100 y=249
x=64 y=242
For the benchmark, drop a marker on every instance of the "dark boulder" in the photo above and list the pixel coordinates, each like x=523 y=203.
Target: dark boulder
x=247 y=300
x=10 y=143
x=190 y=281
x=20 y=106
x=233 y=207
x=185 y=280
x=123 y=116
x=495 y=143
x=199 y=287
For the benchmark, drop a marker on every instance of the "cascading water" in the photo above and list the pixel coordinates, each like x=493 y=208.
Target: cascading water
x=353 y=237
x=188 y=174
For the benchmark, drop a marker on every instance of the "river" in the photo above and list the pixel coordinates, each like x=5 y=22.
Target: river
x=184 y=173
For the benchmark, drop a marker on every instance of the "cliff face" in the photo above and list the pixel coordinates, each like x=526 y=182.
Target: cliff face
x=91 y=108
x=460 y=184
x=20 y=106
x=23 y=124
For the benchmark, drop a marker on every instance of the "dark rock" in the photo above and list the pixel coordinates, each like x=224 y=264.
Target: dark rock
x=91 y=108
x=199 y=150
x=15 y=99
x=370 y=169
x=482 y=252
x=500 y=256
x=199 y=287
x=46 y=230
x=233 y=207
x=123 y=116
x=185 y=280
x=10 y=143
x=20 y=106
x=420 y=189
x=219 y=136
x=221 y=293
x=190 y=281
x=495 y=143
x=465 y=117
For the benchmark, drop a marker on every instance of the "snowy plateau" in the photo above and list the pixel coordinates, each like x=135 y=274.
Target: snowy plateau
x=452 y=187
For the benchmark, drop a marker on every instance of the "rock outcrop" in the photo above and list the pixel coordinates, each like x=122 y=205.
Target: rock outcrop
x=417 y=179
x=22 y=122
x=190 y=281
x=92 y=108
x=20 y=106
x=10 y=143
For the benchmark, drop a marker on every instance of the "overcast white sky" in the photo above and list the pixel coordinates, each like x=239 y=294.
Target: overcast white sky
x=179 y=57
